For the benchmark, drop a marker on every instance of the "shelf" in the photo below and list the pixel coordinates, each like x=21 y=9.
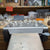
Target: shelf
x=30 y=7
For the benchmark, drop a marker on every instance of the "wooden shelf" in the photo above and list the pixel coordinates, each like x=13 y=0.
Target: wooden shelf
x=33 y=7
x=30 y=7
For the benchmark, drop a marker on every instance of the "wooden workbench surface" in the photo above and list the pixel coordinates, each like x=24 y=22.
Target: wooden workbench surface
x=28 y=41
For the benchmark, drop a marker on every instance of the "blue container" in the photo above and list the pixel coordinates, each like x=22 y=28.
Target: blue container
x=18 y=17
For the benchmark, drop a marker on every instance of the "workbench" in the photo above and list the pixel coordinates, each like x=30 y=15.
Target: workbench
x=46 y=44
x=26 y=41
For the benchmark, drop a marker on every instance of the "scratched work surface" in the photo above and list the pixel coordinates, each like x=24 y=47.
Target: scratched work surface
x=24 y=41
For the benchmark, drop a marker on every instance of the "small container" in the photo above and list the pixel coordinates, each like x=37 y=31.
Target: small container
x=32 y=15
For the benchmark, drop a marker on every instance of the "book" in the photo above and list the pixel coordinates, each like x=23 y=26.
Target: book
x=48 y=2
x=31 y=3
x=43 y=2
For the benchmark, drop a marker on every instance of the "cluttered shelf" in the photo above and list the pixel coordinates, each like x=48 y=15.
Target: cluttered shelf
x=25 y=3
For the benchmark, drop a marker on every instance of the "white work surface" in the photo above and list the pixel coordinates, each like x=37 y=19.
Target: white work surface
x=28 y=41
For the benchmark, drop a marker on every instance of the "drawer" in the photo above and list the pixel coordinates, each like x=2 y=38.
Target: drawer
x=1 y=36
x=3 y=46
x=47 y=44
x=1 y=31
x=1 y=41
x=48 y=37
